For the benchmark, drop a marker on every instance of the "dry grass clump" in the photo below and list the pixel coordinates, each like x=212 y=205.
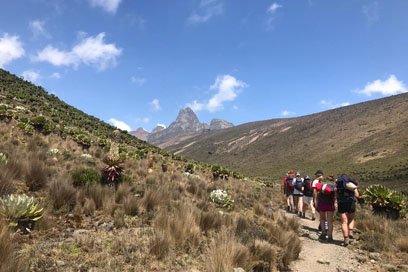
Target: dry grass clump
x=381 y=234
x=89 y=207
x=131 y=205
x=37 y=175
x=211 y=220
x=225 y=253
x=62 y=194
x=99 y=194
x=159 y=244
x=119 y=218
x=6 y=249
x=7 y=177
x=266 y=255
x=151 y=200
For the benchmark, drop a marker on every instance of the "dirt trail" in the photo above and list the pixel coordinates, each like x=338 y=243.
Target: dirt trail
x=320 y=256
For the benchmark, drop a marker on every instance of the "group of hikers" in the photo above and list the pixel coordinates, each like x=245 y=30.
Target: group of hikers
x=324 y=195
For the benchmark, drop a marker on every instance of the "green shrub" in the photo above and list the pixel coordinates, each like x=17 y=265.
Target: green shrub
x=386 y=202
x=38 y=122
x=85 y=177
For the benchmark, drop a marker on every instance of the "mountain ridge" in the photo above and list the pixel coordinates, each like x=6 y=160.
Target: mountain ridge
x=365 y=139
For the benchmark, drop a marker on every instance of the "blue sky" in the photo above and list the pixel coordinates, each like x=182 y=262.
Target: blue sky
x=136 y=63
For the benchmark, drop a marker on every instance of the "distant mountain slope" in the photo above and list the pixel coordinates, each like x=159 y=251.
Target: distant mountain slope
x=368 y=140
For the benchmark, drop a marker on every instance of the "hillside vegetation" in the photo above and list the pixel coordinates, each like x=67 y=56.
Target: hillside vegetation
x=367 y=140
x=164 y=213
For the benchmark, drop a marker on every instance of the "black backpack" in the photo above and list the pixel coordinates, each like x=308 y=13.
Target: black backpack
x=299 y=183
x=343 y=194
x=307 y=187
x=289 y=184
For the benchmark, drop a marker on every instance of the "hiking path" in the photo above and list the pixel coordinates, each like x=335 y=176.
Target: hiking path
x=319 y=256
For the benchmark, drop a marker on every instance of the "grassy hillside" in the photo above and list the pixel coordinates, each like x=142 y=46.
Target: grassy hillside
x=157 y=219
x=367 y=140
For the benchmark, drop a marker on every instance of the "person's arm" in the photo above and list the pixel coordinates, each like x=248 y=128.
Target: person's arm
x=356 y=193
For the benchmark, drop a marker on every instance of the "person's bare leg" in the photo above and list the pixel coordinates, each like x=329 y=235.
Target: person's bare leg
x=312 y=207
x=300 y=204
x=322 y=221
x=329 y=219
x=350 y=221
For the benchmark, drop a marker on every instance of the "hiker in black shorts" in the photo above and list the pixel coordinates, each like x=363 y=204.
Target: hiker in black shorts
x=346 y=198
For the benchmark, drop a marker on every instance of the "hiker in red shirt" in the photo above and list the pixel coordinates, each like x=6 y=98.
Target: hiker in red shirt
x=288 y=188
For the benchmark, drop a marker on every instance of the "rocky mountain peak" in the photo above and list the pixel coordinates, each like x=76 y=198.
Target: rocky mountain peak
x=140 y=133
x=220 y=124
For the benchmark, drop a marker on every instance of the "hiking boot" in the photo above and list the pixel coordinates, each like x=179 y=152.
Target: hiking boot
x=351 y=237
x=330 y=240
x=346 y=242
x=322 y=237
x=288 y=209
x=319 y=228
x=314 y=218
x=303 y=215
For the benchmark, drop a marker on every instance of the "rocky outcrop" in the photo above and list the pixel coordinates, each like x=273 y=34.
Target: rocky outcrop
x=217 y=124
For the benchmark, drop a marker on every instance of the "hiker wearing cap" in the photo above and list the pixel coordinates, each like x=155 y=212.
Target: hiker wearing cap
x=298 y=194
x=308 y=197
x=288 y=189
x=325 y=197
x=347 y=194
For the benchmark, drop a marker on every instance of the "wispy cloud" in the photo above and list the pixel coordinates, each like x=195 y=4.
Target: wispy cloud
x=110 y=6
x=371 y=12
x=10 y=49
x=91 y=51
x=226 y=87
x=37 y=27
x=206 y=10
x=119 y=124
x=55 y=75
x=31 y=75
x=287 y=113
x=390 y=86
x=139 y=81
x=328 y=104
x=155 y=105
x=271 y=15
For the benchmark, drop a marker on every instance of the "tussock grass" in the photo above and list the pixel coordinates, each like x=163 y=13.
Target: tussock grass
x=225 y=253
x=37 y=176
x=151 y=199
x=211 y=220
x=159 y=244
x=62 y=194
x=131 y=205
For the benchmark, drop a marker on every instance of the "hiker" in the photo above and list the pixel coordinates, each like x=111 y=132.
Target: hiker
x=325 y=198
x=347 y=194
x=319 y=179
x=288 y=188
x=298 y=195
x=308 y=197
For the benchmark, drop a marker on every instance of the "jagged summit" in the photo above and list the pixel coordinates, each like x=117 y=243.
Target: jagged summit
x=185 y=126
x=140 y=133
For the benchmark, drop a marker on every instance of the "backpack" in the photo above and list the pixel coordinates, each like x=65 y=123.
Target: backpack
x=326 y=192
x=307 y=187
x=289 y=184
x=343 y=193
x=299 y=184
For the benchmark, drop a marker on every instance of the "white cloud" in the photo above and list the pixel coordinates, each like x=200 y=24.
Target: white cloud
x=207 y=10
x=391 y=86
x=274 y=7
x=108 y=5
x=119 y=124
x=271 y=11
x=287 y=113
x=139 y=81
x=155 y=105
x=56 y=75
x=38 y=29
x=10 y=49
x=161 y=125
x=91 y=51
x=31 y=75
x=227 y=88
x=328 y=104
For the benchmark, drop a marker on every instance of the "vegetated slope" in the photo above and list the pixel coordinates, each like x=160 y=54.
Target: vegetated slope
x=157 y=219
x=368 y=140
x=21 y=100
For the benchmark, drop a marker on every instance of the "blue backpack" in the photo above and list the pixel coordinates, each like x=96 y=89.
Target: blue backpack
x=344 y=194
